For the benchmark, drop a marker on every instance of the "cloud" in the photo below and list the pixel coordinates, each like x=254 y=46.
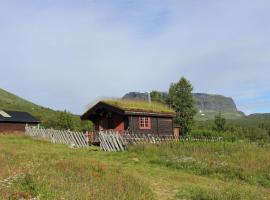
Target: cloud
x=64 y=54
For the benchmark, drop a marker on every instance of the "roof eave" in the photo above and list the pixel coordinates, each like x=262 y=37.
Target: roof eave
x=92 y=109
x=123 y=111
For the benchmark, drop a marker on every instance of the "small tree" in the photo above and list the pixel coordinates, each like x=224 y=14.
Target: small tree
x=181 y=100
x=158 y=97
x=220 y=122
x=65 y=121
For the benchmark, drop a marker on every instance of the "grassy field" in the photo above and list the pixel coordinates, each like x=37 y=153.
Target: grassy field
x=193 y=170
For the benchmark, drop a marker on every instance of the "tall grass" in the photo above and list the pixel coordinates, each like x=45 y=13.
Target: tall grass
x=249 y=163
x=188 y=170
x=231 y=192
x=55 y=172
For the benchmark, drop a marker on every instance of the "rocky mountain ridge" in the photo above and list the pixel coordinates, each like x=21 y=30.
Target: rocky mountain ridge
x=203 y=101
x=208 y=105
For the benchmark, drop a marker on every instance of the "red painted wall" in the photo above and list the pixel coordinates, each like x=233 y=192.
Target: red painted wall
x=12 y=127
x=103 y=123
x=119 y=124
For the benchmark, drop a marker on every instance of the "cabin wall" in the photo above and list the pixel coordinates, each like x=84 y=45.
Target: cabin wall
x=165 y=126
x=12 y=127
x=159 y=126
x=112 y=122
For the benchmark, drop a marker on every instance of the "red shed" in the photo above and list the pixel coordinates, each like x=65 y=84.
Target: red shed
x=11 y=121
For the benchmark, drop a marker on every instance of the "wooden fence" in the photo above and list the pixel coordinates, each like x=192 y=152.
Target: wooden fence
x=109 y=140
x=113 y=141
x=73 y=139
x=201 y=138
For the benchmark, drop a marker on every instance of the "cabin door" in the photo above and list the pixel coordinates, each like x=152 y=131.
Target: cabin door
x=103 y=125
x=119 y=124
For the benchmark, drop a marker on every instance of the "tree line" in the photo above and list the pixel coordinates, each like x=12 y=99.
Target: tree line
x=180 y=98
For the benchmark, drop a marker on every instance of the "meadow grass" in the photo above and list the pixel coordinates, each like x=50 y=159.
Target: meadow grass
x=230 y=192
x=56 y=172
x=192 y=170
x=139 y=105
x=224 y=160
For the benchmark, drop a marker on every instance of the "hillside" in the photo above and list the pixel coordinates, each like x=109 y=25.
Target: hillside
x=208 y=105
x=48 y=117
x=33 y=169
x=10 y=101
x=259 y=116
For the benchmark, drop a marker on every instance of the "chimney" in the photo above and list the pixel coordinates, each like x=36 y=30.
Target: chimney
x=149 y=97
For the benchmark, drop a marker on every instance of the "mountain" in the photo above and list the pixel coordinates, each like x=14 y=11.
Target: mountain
x=48 y=117
x=136 y=96
x=214 y=102
x=259 y=116
x=208 y=105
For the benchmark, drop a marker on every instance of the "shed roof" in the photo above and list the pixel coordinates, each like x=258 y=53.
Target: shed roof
x=128 y=107
x=17 y=116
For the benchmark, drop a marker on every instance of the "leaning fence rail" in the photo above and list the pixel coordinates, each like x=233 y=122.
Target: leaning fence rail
x=113 y=141
x=71 y=138
x=109 y=140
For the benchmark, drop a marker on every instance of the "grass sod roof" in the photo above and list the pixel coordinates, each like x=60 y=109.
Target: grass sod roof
x=139 y=106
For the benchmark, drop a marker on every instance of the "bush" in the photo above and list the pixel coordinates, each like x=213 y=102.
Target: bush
x=226 y=135
x=234 y=133
x=67 y=121
x=252 y=130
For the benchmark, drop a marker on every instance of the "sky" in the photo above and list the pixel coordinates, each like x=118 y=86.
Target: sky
x=65 y=54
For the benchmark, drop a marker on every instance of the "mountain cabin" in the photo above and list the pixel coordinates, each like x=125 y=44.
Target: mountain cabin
x=15 y=121
x=138 y=117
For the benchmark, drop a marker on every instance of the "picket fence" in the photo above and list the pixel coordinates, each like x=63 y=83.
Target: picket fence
x=201 y=138
x=112 y=141
x=109 y=140
x=71 y=138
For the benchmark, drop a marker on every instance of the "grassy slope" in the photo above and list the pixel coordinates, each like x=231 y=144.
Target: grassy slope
x=210 y=115
x=10 y=101
x=241 y=122
x=193 y=170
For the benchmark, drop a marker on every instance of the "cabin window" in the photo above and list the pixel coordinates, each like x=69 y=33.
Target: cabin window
x=144 y=123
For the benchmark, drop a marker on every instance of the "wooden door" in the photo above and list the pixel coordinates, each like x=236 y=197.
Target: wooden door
x=103 y=125
x=119 y=124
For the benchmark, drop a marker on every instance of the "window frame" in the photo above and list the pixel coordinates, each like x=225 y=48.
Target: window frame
x=144 y=123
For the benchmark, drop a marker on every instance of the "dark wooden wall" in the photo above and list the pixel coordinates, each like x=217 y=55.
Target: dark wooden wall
x=115 y=121
x=12 y=127
x=159 y=126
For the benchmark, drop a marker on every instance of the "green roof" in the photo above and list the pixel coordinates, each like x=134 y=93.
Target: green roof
x=141 y=106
